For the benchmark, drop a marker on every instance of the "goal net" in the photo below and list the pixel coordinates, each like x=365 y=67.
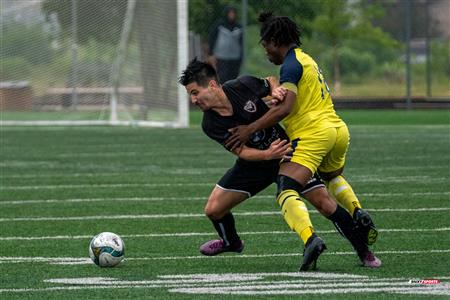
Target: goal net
x=83 y=62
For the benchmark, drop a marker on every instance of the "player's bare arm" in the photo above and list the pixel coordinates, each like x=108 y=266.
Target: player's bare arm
x=278 y=149
x=240 y=134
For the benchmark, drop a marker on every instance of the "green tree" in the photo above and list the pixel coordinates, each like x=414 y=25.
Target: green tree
x=16 y=38
x=342 y=22
x=203 y=14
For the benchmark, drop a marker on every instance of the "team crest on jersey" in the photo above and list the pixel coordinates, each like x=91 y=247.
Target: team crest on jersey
x=250 y=106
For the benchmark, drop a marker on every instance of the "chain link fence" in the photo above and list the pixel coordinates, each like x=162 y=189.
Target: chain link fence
x=81 y=61
x=377 y=50
x=65 y=56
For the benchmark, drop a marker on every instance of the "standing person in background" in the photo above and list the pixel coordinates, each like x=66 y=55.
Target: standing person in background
x=226 y=46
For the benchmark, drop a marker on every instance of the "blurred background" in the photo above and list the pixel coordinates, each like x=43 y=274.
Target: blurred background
x=119 y=60
x=364 y=47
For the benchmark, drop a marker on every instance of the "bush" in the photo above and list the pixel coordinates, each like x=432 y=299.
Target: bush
x=355 y=64
x=15 y=68
x=391 y=71
x=440 y=57
x=31 y=43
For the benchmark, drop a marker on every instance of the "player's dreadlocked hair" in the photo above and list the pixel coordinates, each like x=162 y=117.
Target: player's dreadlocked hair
x=199 y=72
x=281 y=30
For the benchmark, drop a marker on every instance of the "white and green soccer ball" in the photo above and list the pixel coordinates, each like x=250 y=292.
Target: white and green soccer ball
x=106 y=249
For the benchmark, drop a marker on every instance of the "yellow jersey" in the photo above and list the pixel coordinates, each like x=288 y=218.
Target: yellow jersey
x=313 y=109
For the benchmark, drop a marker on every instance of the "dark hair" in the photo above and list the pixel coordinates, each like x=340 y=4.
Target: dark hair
x=281 y=30
x=198 y=72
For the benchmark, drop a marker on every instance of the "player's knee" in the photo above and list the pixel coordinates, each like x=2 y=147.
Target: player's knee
x=213 y=212
x=314 y=183
x=287 y=183
x=328 y=176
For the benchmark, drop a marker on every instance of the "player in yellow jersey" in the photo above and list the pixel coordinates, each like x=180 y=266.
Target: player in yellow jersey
x=319 y=137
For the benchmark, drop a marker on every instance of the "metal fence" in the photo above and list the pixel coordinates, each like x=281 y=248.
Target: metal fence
x=368 y=50
x=63 y=54
x=96 y=62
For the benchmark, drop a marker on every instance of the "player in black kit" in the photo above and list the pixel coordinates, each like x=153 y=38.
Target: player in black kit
x=239 y=102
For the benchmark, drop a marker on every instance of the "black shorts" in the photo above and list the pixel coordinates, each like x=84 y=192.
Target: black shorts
x=249 y=177
x=253 y=177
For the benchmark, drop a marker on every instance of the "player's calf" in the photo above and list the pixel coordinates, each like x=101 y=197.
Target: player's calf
x=365 y=226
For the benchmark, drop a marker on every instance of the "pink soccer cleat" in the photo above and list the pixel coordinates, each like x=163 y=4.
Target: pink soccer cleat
x=371 y=261
x=215 y=247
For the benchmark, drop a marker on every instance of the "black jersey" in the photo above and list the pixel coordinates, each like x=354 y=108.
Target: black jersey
x=245 y=95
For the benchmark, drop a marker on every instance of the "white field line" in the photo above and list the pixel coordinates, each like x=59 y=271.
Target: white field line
x=218 y=170
x=154 y=170
x=130 y=185
x=278 y=288
x=296 y=291
x=132 y=199
x=192 y=215
x=242 y=276
x=106 y=185
x=83 y=260
x=191 y=234
x=154 y=199
x=402 y=290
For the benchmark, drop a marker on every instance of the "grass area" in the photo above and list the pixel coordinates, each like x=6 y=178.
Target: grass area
x=101 y=114
x=62 y=185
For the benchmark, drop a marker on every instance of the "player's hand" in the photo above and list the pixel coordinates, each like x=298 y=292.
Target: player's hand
x=287 y=158
x=239 y=136
x=279 y=94
x=278 y=149
x=271 y=102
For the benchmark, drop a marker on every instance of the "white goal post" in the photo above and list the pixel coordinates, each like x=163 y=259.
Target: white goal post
x=77 y=75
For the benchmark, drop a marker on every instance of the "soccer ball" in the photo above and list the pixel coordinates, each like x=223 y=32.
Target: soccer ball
x=106 y=249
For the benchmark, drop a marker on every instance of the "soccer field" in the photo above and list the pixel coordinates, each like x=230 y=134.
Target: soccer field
x=62 y=185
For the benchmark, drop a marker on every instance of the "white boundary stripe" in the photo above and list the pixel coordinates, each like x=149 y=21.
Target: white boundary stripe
x=198 y=171
x=284 y=255
x=137 y=199
x=150 y=199
x=309 y=275
x=403 y=290
x=280 y=287
x=122 y=185
x=192 y=215
x=80 y=260
x=106 y=185
x=190 y=234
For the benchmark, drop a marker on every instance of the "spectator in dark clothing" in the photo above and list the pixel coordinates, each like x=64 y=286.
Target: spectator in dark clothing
x=225 y=46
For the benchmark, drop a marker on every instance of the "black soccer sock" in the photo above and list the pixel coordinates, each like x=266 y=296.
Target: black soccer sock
x=344 y=224
x=226 y=229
